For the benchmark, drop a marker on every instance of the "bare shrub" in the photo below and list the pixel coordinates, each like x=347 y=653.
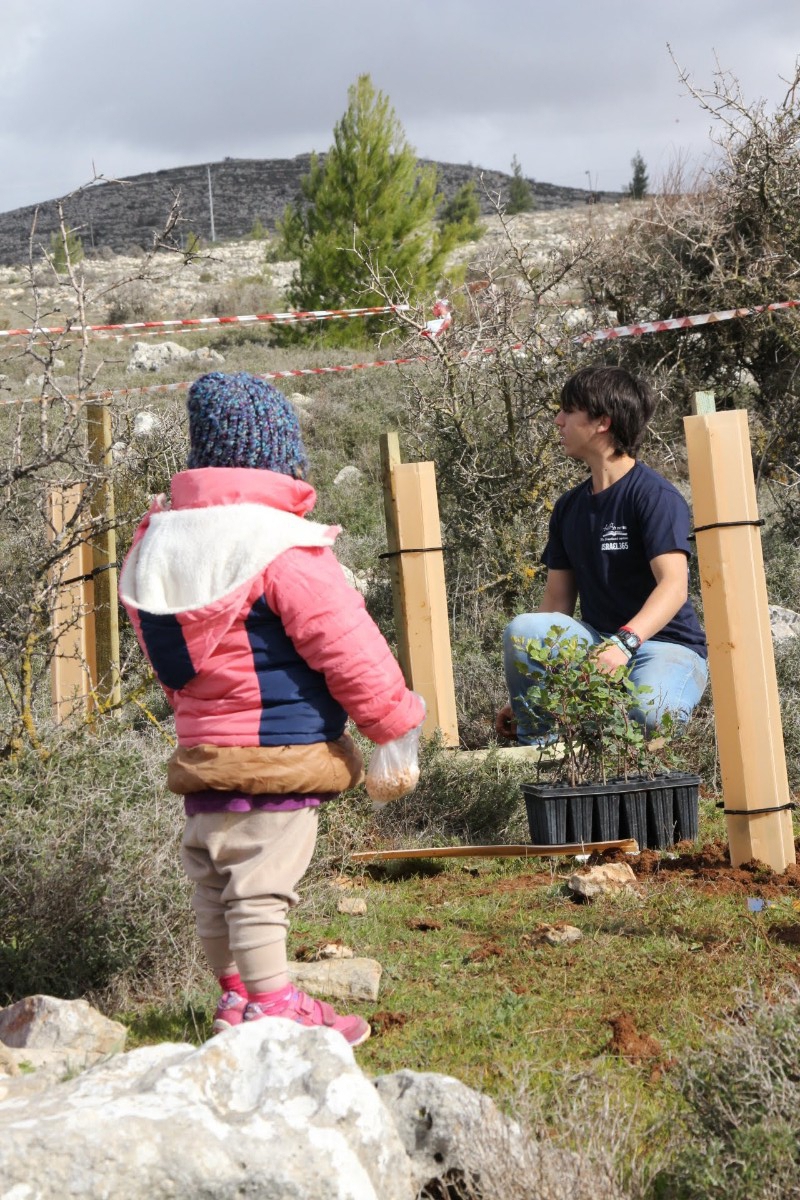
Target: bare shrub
x=739 y=1131
x=728 y=239
x=132 y=301
x=47 y=442
x=94 y=900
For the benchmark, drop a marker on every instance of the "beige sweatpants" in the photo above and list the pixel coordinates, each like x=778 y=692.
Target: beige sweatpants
x=245 y=868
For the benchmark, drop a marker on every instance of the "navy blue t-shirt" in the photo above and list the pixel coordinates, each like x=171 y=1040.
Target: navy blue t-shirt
x=608 y=540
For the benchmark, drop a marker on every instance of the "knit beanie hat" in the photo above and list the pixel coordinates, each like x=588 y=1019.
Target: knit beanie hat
x=242 y=421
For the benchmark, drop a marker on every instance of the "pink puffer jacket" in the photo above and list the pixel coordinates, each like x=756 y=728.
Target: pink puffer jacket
x=249 y=623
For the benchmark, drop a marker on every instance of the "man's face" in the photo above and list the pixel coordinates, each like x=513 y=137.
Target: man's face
x=580 y=434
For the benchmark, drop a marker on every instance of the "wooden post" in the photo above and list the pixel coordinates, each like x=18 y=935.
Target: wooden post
x=104 y=547
x=740 y=654
x=73 y=667
x=390 y=458
x=421 y=597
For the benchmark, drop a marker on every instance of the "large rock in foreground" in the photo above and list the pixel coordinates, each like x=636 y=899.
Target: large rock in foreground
x=270 y=1109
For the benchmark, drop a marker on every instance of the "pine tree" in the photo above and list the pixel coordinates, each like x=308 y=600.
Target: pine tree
x=637 y=188
x=462 y=213
x=66 y=248
x=368 y=193
x=520 y=196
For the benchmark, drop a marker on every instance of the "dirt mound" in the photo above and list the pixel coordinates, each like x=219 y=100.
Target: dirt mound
x=710 y=869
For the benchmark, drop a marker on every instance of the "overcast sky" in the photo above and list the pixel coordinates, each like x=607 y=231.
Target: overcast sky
x=568 y=86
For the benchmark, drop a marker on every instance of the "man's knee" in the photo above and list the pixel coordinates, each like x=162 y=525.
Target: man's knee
x=530 y=627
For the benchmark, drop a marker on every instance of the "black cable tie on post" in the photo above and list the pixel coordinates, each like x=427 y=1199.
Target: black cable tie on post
x=724 y=525
x=409 y=550
x=88 y=578
x=752 y=812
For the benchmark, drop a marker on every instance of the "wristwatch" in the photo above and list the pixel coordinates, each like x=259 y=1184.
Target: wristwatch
x=630 y=640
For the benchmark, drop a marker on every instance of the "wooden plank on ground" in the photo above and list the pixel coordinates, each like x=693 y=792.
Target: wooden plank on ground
x=628 y=845
x=740 y=653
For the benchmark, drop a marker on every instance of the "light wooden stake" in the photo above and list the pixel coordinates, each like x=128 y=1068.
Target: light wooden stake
x=741 y=660
x=420 y=596
x=73 y=669
x=104 y=546
x=390 y=458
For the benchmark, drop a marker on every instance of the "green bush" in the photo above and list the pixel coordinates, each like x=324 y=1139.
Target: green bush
x=460 y=798
x=94 y=899
x=589 y=710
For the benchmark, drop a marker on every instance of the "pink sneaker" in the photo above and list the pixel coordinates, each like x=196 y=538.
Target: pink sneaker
x=230 y=1011
x=306 y=1011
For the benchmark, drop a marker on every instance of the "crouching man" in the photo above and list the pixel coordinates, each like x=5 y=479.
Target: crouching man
x=618 y=544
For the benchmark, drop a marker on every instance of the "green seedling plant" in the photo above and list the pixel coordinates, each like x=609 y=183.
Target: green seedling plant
x=589 y=711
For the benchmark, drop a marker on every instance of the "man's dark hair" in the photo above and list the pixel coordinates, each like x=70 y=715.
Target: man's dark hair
x=612 y=392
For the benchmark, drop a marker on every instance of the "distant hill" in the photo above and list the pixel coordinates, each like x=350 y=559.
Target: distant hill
x=124 y=215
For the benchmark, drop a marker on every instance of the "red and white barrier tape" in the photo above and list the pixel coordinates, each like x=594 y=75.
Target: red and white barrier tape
x=729 y=314
x=284 y=318
x=593 y=336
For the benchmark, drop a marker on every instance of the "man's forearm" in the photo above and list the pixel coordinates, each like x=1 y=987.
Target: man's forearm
x=659 y=608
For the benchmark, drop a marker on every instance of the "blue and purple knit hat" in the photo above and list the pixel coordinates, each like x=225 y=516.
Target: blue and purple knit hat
x=242 y=421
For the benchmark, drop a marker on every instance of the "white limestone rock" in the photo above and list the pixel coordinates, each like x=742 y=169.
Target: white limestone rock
x=460 y=1144
x=348 y=477
x=152 y=356
x=267 y=1109
x=339 y=978
x=603 y=880
x=47 y=1023
x=784 y=624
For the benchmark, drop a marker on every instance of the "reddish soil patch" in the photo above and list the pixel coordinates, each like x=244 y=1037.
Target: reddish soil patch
x=385 y=1021
x=635 y=1047
x=484 y=951
x=627 y=1042
x=423 y=923
x=710 y=870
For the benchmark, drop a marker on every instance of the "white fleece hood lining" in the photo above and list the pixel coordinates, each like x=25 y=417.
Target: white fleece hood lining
x=190 y=557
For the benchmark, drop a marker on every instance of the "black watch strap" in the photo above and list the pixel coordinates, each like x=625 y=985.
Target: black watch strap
x=630 y=640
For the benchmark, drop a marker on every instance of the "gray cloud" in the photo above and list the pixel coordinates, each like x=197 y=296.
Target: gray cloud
x=569 y=88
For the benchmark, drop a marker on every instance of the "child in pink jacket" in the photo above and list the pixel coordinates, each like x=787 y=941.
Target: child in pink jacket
x=263 y=650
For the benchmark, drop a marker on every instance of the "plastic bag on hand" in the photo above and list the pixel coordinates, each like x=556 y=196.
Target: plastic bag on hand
x=394 y=769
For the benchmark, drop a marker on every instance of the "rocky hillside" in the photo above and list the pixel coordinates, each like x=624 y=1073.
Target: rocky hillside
x=121 y=216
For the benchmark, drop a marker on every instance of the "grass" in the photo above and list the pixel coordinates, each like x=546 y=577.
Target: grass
x=468 y=991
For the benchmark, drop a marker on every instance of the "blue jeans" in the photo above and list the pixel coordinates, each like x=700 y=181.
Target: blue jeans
x=676 y=674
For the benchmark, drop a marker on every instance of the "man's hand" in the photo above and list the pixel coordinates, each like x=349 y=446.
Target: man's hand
x=505 y=723
x=609 y=657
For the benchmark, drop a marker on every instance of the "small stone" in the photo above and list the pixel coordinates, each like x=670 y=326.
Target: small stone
x=603 y=880
x=560 y=934
x=47 y=1023
x=333 y=950
x=339 y=978
x=353 y=906
x=348 y=477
